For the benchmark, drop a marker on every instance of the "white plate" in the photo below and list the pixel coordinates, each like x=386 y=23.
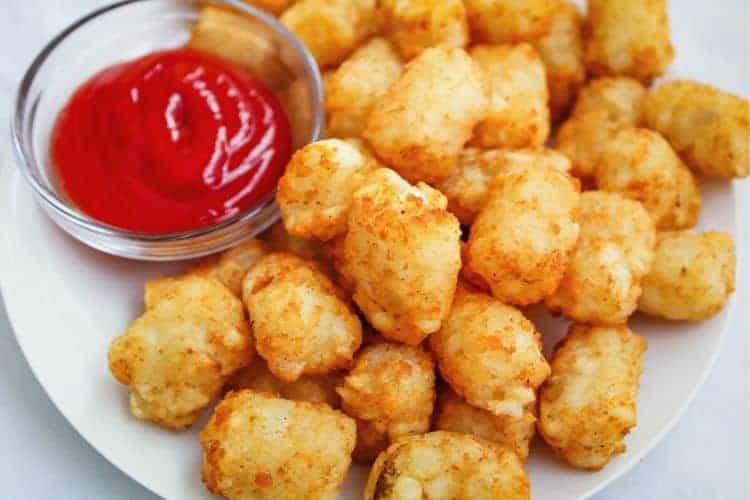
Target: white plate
x=66 y=303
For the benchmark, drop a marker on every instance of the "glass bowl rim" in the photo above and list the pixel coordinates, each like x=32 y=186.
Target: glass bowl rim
x=70 y=213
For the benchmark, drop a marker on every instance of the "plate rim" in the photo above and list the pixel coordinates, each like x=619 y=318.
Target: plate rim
x=10 y=177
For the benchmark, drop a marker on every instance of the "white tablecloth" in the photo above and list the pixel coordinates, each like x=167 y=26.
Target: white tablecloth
x=705 y=457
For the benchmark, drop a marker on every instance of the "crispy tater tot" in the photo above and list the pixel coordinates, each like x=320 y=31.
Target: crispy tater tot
x=230 y=266
x=467 y=187
x=238 y=38
x=521 y=239
x=331 y=29
x=628 y=38
x=415 y=25
x=302 y=324
x=692 y=276
x=401 y=256
x=615 y=250
x=357 y=85
x=561 y=51
x=176 y=357
x=442 y=465
x=456 y=415
x=709 y=128
x=275 y=7
x=257 y=446
x=588 y=404
x=392 y=386
x=640 y=164
x=518 y=114
x=312 y=388
x=315 y=192
x=490 y=354
x=509 y=21
x=603 y=107
x=421 y=124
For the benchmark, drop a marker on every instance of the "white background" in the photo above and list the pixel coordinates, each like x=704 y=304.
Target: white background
x=705 y=457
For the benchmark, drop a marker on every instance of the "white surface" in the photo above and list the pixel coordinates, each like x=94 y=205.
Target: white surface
x=705 y=457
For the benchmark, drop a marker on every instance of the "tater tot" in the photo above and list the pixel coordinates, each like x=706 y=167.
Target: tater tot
x=456 y=415
x=490 y=354
x=238 y=38
x=312 y=388
x=331 y=29
x=509 y=21
x=518 y=114
x=628 y=38
x=302 y=324
x=615 y=249
x=176 y=357
x=357 y=85
x=415 y=25
x=603 y=107
x=275 y=7
x=642 y=166
x=421 y=124
x=692 y=276
x=315 y=192
x=257 y=446
x=709 y=128
x=391 y=386
x=588 y=404
x=401 y=256
x=561 y=51
x=230 y=266
x=467 y=187
x=520 y=241
x=442 y=465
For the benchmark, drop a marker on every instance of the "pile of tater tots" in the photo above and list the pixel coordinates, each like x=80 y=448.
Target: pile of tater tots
x=480 y=156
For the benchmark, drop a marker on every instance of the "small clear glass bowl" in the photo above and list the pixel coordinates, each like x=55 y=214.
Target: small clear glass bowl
x=124 y=31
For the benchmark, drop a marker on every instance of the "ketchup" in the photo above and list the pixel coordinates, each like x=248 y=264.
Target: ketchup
x=172 y=141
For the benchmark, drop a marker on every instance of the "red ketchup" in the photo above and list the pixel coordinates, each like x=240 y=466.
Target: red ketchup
x=172 y=141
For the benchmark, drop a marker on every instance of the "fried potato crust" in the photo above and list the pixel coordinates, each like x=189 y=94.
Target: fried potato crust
x=604 y=106
x=421 y=124
x=275 y=7
x=443 y=465
x=509 y=21
x=391 y=386
x=641 y=165
x=708 y=128
x=353 y=89
x=615 y=249
x=234 y=36
x=468 y=186
x=279 y=240
x=315 y=192
x=588 y=404
x=456 y=415
x=230 y=266
x=415 y=25
x=692 y=276
x=257 y=446
x=311 y=388
x=303 y=325
x=561 y=50
x=401 y=256
x=628 y=38
x=331 y=29
x=518 y=114
x=521 y=239
x=490 y=354
x=176 y=357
